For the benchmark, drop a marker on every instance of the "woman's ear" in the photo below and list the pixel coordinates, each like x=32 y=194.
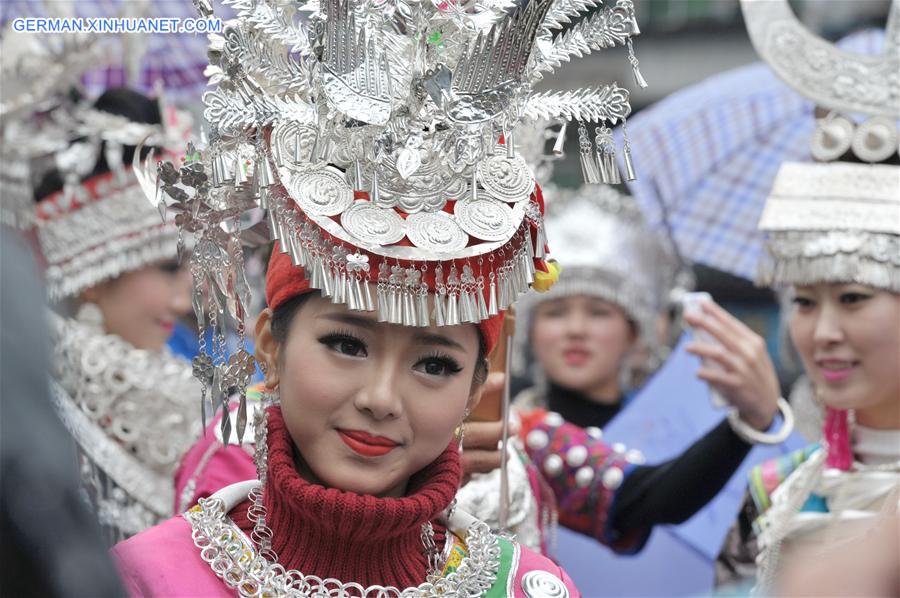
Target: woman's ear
x=267 y=349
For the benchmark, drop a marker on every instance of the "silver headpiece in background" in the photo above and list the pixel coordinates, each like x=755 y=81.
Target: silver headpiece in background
x=834 y=221
x=375 y=140
x=92 y=230
x=604 y=250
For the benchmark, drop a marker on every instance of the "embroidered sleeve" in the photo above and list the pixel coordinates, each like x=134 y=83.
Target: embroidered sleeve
x=584 y=473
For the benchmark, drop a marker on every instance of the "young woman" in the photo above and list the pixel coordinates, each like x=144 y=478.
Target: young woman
x=582 y=335
x=844 y=323
x=130 y=405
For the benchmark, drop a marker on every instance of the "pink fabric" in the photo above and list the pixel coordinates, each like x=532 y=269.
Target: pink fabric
x=163 y=562
x=836 y=431
x=211 y=473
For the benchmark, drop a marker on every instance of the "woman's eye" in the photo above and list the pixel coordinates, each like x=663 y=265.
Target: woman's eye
x=345 y=345
x=170 y=267
x=853 y=298
x=438 y=366
x=803 y=302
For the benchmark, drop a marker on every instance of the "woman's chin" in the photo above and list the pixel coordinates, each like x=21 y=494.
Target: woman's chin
x=367 y=483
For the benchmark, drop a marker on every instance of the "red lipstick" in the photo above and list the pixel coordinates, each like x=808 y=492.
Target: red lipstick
x=365 y=444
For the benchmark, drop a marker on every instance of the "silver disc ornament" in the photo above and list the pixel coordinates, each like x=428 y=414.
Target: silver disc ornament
x=371 y=224
x=322 y=192
x=435 y=231
x=485 y=219
x=507 y=179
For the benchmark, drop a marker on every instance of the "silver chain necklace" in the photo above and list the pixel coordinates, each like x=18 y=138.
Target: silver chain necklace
x=235 y=559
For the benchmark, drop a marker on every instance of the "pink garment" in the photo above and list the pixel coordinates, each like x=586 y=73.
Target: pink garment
x=209 y=466
x=163 y=561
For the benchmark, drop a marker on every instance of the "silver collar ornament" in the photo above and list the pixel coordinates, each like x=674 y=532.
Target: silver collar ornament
x=132 y=415
x=834 y=221
x=375 y=141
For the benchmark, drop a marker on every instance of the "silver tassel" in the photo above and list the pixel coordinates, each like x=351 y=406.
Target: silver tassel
x=240 y=177
x=529 y=247
x=294 y=250
x=482 y=307
x=605 y=175
x=439 y=319
x=314 y=280
x=529 y=269
x=629 y=166
x=473 y=190
x=220 y=170
x=559 y=146
x=540 y=242
x=367 y=295
x=510 y=145
x=326 y=289
x=465 y=307
x=406 y=313
x=394 y=313
x=492 y=299
x=589 y=167
x=452 y=310
x=336 y=288
x=273 y=225
x=504 y=291
x=635 y=66
x=422 y=302
x=264 y=175
x=382 y=304
x=491 y=146
x=284 y=234
x=263 y=199
x=350 y=291
x=615 y=175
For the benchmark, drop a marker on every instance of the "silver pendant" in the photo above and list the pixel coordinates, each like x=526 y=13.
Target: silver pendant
x=323 y=192
x=485 y=219
x=507 y=179
x=371 y=224
x=435 y=231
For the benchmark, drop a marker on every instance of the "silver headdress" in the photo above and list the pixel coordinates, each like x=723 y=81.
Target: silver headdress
x=605 y=251
x=834 y=221
x=95 y=228
x=375 y=140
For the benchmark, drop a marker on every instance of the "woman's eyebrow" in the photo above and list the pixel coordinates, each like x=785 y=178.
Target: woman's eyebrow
x=350 y=319
x=430 y=338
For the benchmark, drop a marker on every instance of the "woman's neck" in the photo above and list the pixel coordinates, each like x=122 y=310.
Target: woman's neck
x=606 y=392
x=883 y=416
x=328 y=532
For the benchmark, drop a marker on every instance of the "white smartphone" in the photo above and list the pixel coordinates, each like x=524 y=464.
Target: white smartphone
x=692 y=304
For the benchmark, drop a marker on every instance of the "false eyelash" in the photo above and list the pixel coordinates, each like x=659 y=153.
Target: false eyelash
x=451 y=364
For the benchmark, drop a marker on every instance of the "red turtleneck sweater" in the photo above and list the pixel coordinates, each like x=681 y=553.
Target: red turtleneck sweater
x=354 y=538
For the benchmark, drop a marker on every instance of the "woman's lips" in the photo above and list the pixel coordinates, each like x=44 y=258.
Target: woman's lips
x=576 y=356
x=363 y=443
x=168 y=325
x=835 y=370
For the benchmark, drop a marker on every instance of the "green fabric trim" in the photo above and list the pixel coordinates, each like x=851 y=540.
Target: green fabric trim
x=507 y=556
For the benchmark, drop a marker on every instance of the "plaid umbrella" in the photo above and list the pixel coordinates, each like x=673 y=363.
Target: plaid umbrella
x=707 y=156
x=176 y=60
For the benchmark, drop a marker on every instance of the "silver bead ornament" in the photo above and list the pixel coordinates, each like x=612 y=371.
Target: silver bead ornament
x=554 y=419
x=584 y=476
x=612 y=478
x=594 y=432
x=620 y=448
x=553 y=464
x=537 y=440
x=576 y=456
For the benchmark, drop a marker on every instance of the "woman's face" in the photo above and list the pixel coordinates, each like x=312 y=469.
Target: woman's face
x=849 y=339
x=368 y=404
x=581 y=342
x=142 y=306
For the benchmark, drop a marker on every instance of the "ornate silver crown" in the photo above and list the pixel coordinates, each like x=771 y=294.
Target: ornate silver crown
x=834 y=221
x=375 y=139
